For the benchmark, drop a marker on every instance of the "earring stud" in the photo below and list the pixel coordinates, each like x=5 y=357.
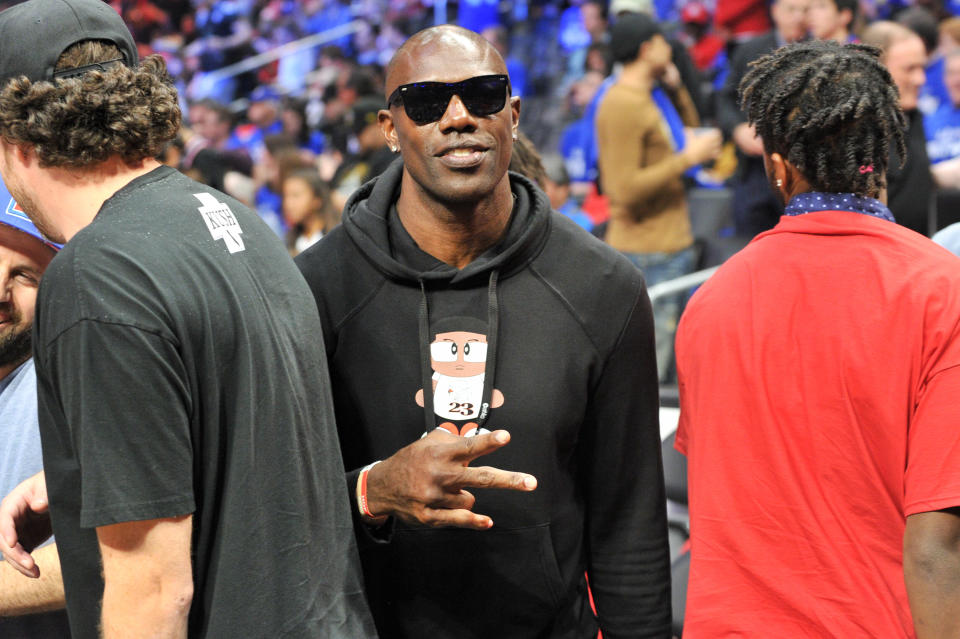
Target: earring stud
x=779 y=183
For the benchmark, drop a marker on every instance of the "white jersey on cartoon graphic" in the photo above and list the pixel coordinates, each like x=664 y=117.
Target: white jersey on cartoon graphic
x=457 y=398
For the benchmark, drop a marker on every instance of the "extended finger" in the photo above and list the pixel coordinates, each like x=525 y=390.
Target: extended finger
x=22 y=561
x=469 y=448
x=10 y=511
x=39 y=504
x=454 y=501
x=489 y=477
x=456 y=518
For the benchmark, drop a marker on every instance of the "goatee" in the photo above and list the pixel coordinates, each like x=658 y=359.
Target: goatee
x=15 y=347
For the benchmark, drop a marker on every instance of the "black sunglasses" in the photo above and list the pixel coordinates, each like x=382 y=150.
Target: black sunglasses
x=426 y=102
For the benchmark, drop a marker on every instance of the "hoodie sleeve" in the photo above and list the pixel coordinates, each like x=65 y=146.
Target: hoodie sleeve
x=628 y=554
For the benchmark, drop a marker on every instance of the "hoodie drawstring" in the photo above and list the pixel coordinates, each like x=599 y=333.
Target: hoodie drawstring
x=493 y=326
x=490 y=367
x=426 y=377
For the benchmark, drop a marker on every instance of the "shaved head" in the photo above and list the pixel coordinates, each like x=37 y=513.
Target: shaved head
x=459 y=160
x=440 y=41
x=884 y=34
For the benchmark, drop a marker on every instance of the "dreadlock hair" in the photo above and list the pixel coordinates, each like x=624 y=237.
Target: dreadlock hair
x=831 y=110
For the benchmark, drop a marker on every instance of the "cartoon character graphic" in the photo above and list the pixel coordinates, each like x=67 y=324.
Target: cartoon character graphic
x=459 y=360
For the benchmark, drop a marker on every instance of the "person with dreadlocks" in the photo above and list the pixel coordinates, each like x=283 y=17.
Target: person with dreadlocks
x=819 y=371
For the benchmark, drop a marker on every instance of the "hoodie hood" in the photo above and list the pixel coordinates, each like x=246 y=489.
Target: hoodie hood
x=366 y=221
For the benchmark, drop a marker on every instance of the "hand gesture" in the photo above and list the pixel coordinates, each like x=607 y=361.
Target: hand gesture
x=25 y=523
x=424 y=482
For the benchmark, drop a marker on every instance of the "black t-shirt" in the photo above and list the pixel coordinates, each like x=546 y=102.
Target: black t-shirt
x=181 y=369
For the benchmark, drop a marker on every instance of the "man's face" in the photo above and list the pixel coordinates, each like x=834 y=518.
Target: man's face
x=825 y=21
x=951 y=77
x=216 y=129
x=13 y=170
x=790 y=16
x=196 y=116
x=657 y=53
x=462 y=157
x=558 y=194
x=593 y=21
x=906 y=60
x=23 y=260
x=263 y=114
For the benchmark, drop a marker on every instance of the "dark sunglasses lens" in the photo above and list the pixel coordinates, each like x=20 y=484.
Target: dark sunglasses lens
x=425 y=103
x=484 y=96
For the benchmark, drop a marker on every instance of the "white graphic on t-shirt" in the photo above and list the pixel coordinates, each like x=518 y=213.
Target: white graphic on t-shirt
x=459 y=360
x=221 y=222
x=457 y=397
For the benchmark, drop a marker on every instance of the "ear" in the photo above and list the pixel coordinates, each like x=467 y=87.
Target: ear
x=778 y=172
x=25 y=154
x=22 y=154
x=389 y=131
x=515 y=115
x=793 y=182
x=786 y=177
x=642 y=50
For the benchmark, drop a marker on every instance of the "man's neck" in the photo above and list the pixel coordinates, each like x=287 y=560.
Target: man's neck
x=636 y=75
x=455 y=235
x=76 y=196
x=9 y=368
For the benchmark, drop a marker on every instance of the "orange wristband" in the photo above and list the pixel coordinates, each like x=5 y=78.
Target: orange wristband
x=362 y=492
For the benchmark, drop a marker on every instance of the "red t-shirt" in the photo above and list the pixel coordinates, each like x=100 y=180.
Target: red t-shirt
x=819 y=385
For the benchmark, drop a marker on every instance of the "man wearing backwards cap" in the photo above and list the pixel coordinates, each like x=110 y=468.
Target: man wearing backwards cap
x=194 y=475
x=24 y=256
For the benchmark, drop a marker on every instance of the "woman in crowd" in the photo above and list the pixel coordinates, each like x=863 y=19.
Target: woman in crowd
x=307 y=209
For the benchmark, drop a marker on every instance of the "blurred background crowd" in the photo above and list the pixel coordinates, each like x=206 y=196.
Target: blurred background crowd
x=280 y=96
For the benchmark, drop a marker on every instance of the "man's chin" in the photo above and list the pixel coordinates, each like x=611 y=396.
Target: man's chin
x=16 y=346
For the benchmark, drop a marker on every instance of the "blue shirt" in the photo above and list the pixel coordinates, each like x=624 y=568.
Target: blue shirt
x=20 y=454
x=477 y=15
x=949 y=238
x=943 y=133
x=579 y=144
x=933 y=93
x=571 y=210
x=20 y=458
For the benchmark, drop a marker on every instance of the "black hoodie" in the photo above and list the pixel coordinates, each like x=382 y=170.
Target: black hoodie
x=549 y=335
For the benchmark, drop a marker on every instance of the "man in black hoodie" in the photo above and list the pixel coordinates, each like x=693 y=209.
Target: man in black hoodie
x=454 y=302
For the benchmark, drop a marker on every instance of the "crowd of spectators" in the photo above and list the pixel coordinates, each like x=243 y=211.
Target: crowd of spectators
x=249 y=125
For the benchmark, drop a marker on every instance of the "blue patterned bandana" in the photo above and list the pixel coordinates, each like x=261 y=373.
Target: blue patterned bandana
x=814 y=201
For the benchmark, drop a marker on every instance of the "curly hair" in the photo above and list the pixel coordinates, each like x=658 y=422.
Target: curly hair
x=831 y=110
x=130 y=113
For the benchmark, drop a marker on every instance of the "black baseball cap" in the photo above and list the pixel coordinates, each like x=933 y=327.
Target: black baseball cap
x=366 y=111
x=629 y=32
x=35 y=33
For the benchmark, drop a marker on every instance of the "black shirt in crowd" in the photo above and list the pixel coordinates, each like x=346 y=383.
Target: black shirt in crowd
x=181 y=369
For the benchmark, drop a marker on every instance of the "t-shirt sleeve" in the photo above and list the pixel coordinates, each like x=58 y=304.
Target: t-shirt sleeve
x=933 y=450
x=124 y=394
